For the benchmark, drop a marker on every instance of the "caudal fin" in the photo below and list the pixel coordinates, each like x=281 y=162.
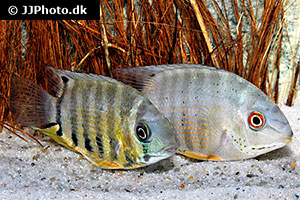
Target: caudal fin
x=30 y=104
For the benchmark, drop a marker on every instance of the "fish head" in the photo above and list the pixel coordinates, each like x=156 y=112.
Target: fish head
x=153 y=135
x=267 y=127
x=262 y=127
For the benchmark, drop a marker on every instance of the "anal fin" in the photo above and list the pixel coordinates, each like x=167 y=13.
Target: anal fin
x=198 y=156
x=51 y=131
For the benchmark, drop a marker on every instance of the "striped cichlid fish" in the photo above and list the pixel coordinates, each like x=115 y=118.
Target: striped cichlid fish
x=217 y=115
x=111 y=124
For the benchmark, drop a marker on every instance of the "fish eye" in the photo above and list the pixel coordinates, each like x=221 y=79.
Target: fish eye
x=256 y=120
x=143 y=132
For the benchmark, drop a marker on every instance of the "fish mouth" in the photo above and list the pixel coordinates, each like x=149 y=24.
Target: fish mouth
x=288 y=139
x=161 y=154
x=261 y=149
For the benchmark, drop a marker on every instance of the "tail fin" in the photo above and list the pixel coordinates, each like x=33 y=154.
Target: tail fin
x=30 y=104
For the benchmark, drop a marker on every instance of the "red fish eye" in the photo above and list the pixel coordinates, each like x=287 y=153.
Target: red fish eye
x=256 y=120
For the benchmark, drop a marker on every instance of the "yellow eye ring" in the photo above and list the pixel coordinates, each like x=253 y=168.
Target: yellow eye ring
x=256 y=120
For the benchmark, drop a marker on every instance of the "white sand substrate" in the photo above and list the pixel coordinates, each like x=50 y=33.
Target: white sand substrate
x=27 y=171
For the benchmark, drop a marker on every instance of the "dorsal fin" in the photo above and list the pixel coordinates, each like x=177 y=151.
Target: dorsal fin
x=54 y=80
x=58 y=78
x=139 y=77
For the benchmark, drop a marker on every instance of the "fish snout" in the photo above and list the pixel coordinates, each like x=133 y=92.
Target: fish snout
x=280 y=127
x=288 y=139
x=289 y=134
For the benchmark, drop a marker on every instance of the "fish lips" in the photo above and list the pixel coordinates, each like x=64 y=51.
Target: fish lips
x=289 y=138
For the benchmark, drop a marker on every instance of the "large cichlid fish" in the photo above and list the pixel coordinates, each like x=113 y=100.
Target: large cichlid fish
x=111 y=124
x=217 y=115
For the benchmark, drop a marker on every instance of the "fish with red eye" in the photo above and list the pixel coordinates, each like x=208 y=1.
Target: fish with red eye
x=216 y=114
x=256 y=120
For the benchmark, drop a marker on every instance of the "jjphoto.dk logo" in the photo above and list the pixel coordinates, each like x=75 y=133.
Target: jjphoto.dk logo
x=43 y=10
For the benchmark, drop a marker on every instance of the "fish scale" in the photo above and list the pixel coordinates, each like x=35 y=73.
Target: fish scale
x=90 y=121
x=86 y=116
x=97 y=117
x=98 y=136
x=210 y=110
x=182 y=108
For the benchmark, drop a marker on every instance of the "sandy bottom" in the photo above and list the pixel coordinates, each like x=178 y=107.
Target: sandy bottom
x=31 y=172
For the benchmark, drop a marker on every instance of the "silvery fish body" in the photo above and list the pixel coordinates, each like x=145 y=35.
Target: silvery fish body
x=217 y=115
x=108 y=122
